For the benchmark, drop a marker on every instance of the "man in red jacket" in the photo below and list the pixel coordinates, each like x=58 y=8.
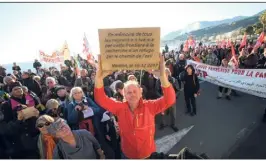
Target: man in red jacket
x=135 y=115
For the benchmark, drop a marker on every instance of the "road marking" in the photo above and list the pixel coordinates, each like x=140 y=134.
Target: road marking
x=166 y=143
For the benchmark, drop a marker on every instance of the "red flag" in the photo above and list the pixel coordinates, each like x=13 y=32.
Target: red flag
x=234 y=58
x=228 y=43
x=185 y=46
x=244 y=41
x=87 y=51
x=191 y=42
x=259 y=41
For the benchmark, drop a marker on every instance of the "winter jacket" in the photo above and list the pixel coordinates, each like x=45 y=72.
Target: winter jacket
x=262 y=63
x=191 y=84
x=137 y=128
x=37 y=65
x=179 y=67
x=33 y=86
x=211 y=59
x=21 y=135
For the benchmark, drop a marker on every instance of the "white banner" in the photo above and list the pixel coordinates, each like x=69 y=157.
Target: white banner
x=251 y=81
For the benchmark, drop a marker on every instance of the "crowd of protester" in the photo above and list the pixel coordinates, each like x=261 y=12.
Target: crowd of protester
x=52 y=114
x=58 y=113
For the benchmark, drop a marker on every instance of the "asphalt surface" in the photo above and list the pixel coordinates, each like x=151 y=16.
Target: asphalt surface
x=222 y=128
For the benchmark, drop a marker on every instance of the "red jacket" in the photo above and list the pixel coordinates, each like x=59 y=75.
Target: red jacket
x=137 y=128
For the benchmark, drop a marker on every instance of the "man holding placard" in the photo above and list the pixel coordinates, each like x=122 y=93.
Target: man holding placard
x=135 y=115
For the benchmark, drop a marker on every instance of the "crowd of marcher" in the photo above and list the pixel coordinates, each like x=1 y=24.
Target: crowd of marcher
x=65 y=114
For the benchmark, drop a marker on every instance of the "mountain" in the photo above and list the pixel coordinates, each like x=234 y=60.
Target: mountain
x=222 y=28
x=199 y=25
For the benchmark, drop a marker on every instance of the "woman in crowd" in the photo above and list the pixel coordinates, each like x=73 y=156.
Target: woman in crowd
x=46 y=142
x=20 y=115
x=55 y=110
x=84 y=113
x=191 y=89
x=76 y=144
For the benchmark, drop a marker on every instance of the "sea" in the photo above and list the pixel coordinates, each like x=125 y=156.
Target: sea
x=25 y=66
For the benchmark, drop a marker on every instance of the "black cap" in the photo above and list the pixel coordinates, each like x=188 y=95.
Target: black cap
x=15 y=84
x=57 y=88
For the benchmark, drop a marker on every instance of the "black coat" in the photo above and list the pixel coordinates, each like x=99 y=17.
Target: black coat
x=262 y=63
x=32 y=86
x=179 y=67
x=21 y=136
x=37 y=65
x=191 y=84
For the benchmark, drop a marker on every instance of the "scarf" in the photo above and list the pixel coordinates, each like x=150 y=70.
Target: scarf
x=49 y=146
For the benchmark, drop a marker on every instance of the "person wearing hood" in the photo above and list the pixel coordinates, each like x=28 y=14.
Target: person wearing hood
x=74 y=144
x=31 y=84
x=20 y=113
x=191 y=89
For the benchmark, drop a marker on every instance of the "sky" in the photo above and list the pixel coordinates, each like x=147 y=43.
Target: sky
x=26 y=28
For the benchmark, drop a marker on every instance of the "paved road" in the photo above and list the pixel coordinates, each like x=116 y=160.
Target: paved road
x=219 y=125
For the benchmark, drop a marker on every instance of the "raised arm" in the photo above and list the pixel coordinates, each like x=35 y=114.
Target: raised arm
x=168 y=98
x=99 y=95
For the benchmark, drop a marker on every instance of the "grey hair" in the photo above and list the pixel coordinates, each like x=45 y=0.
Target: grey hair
x=72 y=92
x=6 y=78
x=49 y=79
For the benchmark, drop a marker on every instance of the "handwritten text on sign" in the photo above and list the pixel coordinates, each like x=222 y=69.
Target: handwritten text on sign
x=251 y=81
x=130 y=49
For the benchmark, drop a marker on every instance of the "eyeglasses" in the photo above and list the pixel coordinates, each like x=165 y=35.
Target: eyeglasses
x=45 y=124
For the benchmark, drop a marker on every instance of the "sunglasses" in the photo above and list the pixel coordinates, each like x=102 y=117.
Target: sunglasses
x=45 y=124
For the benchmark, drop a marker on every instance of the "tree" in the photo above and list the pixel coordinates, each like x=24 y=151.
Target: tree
x=249 y=30
x=263 y=19
x=258 y=27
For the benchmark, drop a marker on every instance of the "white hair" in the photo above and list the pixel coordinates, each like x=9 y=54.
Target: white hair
x=131 y=82
x=73 y=90
x=49 y=79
